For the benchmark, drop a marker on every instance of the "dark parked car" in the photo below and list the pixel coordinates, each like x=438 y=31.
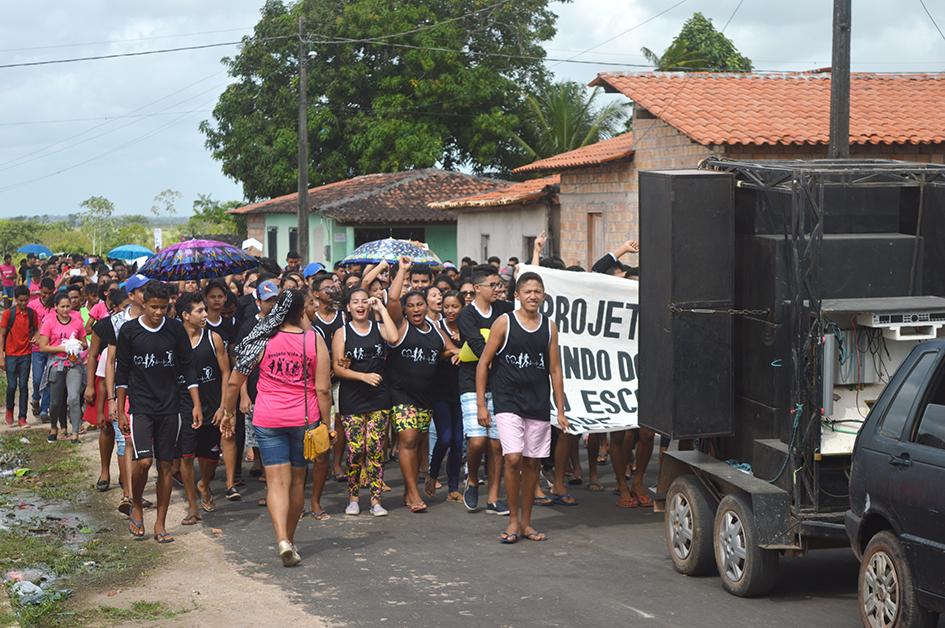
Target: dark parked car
x=896 y=521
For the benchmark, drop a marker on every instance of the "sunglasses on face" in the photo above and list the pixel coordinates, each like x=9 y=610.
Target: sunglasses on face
x=467 y=293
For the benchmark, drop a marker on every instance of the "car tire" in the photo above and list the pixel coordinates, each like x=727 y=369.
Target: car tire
x=688 y=523
x=746 y=570
x=885 y=587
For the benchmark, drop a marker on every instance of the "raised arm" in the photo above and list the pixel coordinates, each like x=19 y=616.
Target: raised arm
x=537 y=249
x=372 y=272
x=390 y=331
x=397 y=289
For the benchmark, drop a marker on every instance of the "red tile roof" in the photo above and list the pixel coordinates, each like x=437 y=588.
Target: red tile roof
x=388 y=197
x=516 y=193
x=788 y=108
x=619 y=147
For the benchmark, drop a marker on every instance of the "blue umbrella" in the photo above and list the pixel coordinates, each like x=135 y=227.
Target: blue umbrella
x=129 y=251
x=36 y=249
x=390 y=250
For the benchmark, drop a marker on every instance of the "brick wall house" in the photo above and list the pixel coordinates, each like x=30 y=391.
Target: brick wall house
x=679 y=119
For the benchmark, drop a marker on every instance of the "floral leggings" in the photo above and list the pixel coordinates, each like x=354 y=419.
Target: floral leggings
x=365 y=434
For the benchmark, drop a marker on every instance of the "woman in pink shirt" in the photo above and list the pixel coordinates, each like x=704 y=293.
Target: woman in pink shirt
x=293 y=393
x=62 y=337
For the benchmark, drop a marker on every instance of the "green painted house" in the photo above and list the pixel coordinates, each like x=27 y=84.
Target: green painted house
x=348 y=213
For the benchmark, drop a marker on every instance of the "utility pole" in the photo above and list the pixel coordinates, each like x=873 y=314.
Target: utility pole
x=840 y=82
x=303 y=144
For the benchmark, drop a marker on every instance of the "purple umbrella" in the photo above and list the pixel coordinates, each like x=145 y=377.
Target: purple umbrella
x=197 y=259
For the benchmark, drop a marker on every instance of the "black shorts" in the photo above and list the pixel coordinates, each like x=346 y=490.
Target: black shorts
x=154 y=436
x=202 y=443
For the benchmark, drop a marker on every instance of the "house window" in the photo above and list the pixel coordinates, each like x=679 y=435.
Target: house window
x=363 y=235
x=484 y=247
x=595 y=237
x=272 y=242
x=293 y=238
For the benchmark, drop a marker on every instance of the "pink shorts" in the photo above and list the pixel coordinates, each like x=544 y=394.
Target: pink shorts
x=529 y=437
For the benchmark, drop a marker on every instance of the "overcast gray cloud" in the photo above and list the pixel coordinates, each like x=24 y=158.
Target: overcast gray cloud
x=155 y=102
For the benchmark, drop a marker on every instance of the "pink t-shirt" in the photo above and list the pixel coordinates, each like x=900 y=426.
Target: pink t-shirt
x=99 y=311
x=8 y=275
x=41 y=313
x=58 y=333
x=281 y=389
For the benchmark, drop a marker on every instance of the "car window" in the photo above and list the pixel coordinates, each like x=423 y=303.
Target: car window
x=931 y=429
x=898 y=411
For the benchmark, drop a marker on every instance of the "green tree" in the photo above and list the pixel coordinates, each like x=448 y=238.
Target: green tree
x=393 y=85
x=164 y=203
x=97 y=220
x=564 y=116
x=16 y=233
x=698 y=46
x=210 y=216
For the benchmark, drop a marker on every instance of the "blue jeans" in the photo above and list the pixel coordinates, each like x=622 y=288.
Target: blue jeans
x=281 y=445
x=39 y=365
x=449 y=432
x=18 y=374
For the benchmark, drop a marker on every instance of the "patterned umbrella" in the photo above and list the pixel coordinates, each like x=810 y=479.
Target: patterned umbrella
x=391 y=250
x=36 y=249
x=197 y=259
x=129 y=251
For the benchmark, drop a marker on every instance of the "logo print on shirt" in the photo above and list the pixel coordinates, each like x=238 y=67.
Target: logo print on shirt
x=525 y=361
x=149 y=360
x=418 y=355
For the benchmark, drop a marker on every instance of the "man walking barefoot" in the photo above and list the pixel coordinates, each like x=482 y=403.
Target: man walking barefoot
x=522 y=353
x=153 y=352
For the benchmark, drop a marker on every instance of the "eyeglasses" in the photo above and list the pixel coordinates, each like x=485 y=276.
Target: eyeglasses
x=467 y=293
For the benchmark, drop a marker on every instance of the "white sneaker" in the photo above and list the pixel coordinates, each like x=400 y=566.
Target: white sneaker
x=290 y=557
x=353 y=509
x=378 y=511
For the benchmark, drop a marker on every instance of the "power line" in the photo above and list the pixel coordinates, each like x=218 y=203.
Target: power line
x=622 y=33
x=140 y=53
x=437 y=24
x=97 y=119
x=934 y=23
x=124 y=41
x=732 y=16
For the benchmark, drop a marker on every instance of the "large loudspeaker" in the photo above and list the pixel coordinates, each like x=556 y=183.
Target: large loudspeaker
x=845 y=210
x=852 y=265
x=686 y=236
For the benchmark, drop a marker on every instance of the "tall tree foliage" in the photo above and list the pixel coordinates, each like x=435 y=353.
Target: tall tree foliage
x=563 y=116
x=440 y=93
x=698 y=46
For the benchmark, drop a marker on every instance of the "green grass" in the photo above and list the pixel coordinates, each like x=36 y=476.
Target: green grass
x=139 y=611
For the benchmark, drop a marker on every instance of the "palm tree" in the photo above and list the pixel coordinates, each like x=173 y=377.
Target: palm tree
x=563 y=116
x=676 y=57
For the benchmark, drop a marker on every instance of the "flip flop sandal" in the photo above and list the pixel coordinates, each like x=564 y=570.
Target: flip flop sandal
x=595 y=487
x=644 y=500
x=321 y=515
x=631 y=502
x=208 y=505
x=601 y=460
x=417 y=508
x=429 y=487
x=508 y=539
x=341 y=477
x=135 y=527
x=543 y=501
x=190 y=520
x=145 y=503
x=163 y=538
x=562 y=500
x=535 y=535
x=124 y=506
x=102 y=485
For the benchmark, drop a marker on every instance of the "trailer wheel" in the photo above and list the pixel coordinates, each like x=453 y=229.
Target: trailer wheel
x=688 y=521
x=746 y=569
x=886 y=588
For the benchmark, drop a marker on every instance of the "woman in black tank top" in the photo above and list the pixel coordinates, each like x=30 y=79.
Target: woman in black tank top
x=414 y=360
x=359 y=352
x=447 y=416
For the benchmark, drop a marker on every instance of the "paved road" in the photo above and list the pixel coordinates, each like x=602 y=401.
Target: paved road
x=600 y=567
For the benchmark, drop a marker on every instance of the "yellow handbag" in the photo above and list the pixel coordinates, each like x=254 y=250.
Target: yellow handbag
x=317 y=440
x=466 y=353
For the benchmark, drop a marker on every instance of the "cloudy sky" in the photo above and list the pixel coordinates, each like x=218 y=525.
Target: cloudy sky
x=127 y=128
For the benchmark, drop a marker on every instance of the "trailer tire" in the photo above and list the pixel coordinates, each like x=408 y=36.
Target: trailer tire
x=746 y=570
x=688 y=527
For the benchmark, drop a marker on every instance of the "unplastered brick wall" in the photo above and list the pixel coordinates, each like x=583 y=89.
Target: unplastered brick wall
x=256 y=227
x=609 y=190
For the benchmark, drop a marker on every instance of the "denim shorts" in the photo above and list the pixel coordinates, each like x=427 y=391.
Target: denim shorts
x=281 y=445
x=471 y=427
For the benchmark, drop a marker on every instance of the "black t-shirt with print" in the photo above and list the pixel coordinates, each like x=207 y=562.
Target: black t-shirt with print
x=149 y=363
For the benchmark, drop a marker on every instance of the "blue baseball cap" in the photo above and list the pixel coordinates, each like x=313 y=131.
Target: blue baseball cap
x=135 y=282
x=267 y=290
x=313 y=268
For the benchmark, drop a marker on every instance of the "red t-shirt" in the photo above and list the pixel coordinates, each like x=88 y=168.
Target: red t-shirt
x=8 y=275
x=18 y=337
x=57 y=333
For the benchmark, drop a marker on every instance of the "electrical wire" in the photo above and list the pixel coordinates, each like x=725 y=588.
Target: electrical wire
x=934 y=23
x=94 y=119
x=124 y=41
x=732 y=16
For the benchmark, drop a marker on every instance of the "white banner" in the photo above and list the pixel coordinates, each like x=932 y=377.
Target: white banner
x=597 y=317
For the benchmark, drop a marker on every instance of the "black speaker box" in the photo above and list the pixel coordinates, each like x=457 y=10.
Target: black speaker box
x=763 y=361
x=686 y=235
x=933 y=237
x=852 y=265
x=845 y=210
x=754 y=421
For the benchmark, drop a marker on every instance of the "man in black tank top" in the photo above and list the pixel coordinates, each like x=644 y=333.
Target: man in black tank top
x=520 y=358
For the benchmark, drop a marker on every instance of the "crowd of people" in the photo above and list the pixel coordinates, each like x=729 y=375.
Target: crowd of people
x=451 y=367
